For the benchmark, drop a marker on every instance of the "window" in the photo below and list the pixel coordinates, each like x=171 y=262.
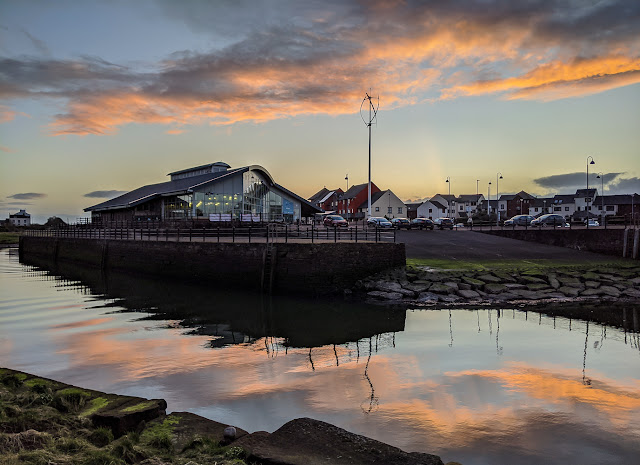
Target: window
x=600 y=207
x=461 y=207
x=430 y=210
x=588 y=199
x=610 y=208
x=536 y=209
x=377 y=209
x=473 y=204
x=565 y=209
x=557 y=209
x=400 y=210
x=390 y=210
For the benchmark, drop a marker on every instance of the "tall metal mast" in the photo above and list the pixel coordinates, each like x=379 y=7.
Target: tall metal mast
x=373 y=111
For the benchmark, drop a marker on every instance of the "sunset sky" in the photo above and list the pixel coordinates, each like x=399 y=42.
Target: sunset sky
x=101 y=97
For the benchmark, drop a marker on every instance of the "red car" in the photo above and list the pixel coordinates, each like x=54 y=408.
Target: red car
x=335 y=221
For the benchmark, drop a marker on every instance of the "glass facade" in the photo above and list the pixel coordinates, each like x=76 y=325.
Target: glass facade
x=246 y=194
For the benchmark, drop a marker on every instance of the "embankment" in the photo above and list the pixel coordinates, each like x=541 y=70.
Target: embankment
x=320 y=268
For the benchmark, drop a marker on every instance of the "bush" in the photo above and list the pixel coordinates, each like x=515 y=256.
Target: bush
x=101 y=437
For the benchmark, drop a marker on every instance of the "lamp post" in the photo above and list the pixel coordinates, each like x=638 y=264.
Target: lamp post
x=389 y=207
x=449 y=197
x=477 y=196
x=498 y=178
x=544 y=207
x=600 y=176
x=489 y=201
x=587 y=206
x=521 y=200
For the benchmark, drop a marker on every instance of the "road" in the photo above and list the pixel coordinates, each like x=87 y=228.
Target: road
x=475 y=246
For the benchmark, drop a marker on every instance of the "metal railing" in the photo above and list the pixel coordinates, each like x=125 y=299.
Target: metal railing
x=269 y=232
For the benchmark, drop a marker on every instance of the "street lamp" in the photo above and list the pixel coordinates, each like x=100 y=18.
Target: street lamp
x=521 y=200
x=587 y=206
x=449 y=197
x=477 y=196
x=498 y=177
x=601 y=178
x=489 y=201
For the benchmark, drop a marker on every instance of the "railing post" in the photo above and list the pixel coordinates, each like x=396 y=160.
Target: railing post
x=286 y=234
x=312 y=225
x=233 y=233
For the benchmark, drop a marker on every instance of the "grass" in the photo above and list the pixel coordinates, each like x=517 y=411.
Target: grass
x=138 y=407
x=159 y=435
x=519 y=265
x=94 y=405
x=9 y=237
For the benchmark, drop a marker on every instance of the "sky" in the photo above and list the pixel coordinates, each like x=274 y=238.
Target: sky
x=101 y=97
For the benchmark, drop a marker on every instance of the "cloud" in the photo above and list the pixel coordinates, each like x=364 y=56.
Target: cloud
x=624 y=186
x=27 y=196
x=284 y=59
x=105 y=194
x=5 y=149
x=573 y=180
x=39 y=45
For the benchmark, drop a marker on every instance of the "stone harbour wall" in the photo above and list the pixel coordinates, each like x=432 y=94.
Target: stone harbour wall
x=305 y=268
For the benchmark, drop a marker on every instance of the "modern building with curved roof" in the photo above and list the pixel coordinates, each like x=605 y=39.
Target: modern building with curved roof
x=213 y=192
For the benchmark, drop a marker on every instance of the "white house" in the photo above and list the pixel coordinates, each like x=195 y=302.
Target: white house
x=449 y=201
x=467 y=205
x=385 y=203
x=586 y=199
x=432 y=209
x=22 y=218
x=564 y=205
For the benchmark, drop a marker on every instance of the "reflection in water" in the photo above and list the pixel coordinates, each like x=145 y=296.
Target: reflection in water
x=520 y=396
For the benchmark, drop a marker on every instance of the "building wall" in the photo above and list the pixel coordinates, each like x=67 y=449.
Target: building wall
x=389 y=201
x=435 y=213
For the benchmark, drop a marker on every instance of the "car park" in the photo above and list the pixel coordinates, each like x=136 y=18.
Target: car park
x=422 y=223
x=443 y=223
x=335 y=221
x=519 y=220
x=551 y=220
x=401 y=223
x=379 y=222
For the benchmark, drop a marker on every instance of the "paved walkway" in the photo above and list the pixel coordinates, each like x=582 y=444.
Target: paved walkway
x=474 y=246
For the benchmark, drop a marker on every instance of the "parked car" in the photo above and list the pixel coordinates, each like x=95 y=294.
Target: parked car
x=443 y=223
x=591 y=223
x=550 y=220
x=379 y=222
x=422 y=223
x=458 y=225
x=335 y=221
x=401 y=223
x=519 y=220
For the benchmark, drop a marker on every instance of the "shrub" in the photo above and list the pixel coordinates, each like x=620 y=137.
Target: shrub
x=101 y=437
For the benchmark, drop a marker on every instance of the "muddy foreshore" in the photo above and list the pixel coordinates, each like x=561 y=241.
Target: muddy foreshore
x=43 y=421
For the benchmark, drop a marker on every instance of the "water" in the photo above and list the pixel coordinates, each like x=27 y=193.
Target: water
x=475 y=386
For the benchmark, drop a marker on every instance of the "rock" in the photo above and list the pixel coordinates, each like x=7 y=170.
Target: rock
x=537 y=287
x=306 y=442
x=636 y=281
x=570 y=281
x=553 y=281
x=530 y=295
x=632 y=292
x=512 y=286
x=591 y=292
x=592 y=284
x=418 y=288
x=610 y=290
x=468 y=294
x=493 y=288
x=427 y=297
x=385 y=295
x=487 y=278
x=464 y=286
x=452 y=285
x=591 y=276
x=532 y=280
x=439 y=288
x=387 y=286
x=127 y=414
x=557 y=295
x=229 y=433
x=449 y=298
x=475 y=283
x=569 y=291
x=619 y=286
x=505 y=296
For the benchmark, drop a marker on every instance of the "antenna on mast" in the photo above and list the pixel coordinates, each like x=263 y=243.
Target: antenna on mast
x=373 y=116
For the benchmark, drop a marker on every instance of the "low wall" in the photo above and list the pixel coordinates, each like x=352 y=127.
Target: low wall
x=604 y=241
x=319 y=268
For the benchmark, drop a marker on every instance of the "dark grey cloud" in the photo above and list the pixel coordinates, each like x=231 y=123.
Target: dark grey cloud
x=27 y=196
x=39 y=45
x=104 y=194
x=624 y=186
x=573 y=180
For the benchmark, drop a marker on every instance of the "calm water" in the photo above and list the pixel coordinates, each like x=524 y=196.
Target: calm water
x=476 y=386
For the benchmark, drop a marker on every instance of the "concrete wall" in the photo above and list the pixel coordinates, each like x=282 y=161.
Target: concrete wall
x=605 y=241
x=299 y=268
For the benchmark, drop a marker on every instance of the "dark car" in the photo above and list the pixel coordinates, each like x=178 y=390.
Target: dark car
x=550 y=220
x=443 y=223
x=401 y=223
x=519 y=220
x=335 y=221
x=422 y=223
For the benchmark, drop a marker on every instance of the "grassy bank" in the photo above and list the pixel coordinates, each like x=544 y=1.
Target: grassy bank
x=44 y=422
x=8 y=238
x=521 y=265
